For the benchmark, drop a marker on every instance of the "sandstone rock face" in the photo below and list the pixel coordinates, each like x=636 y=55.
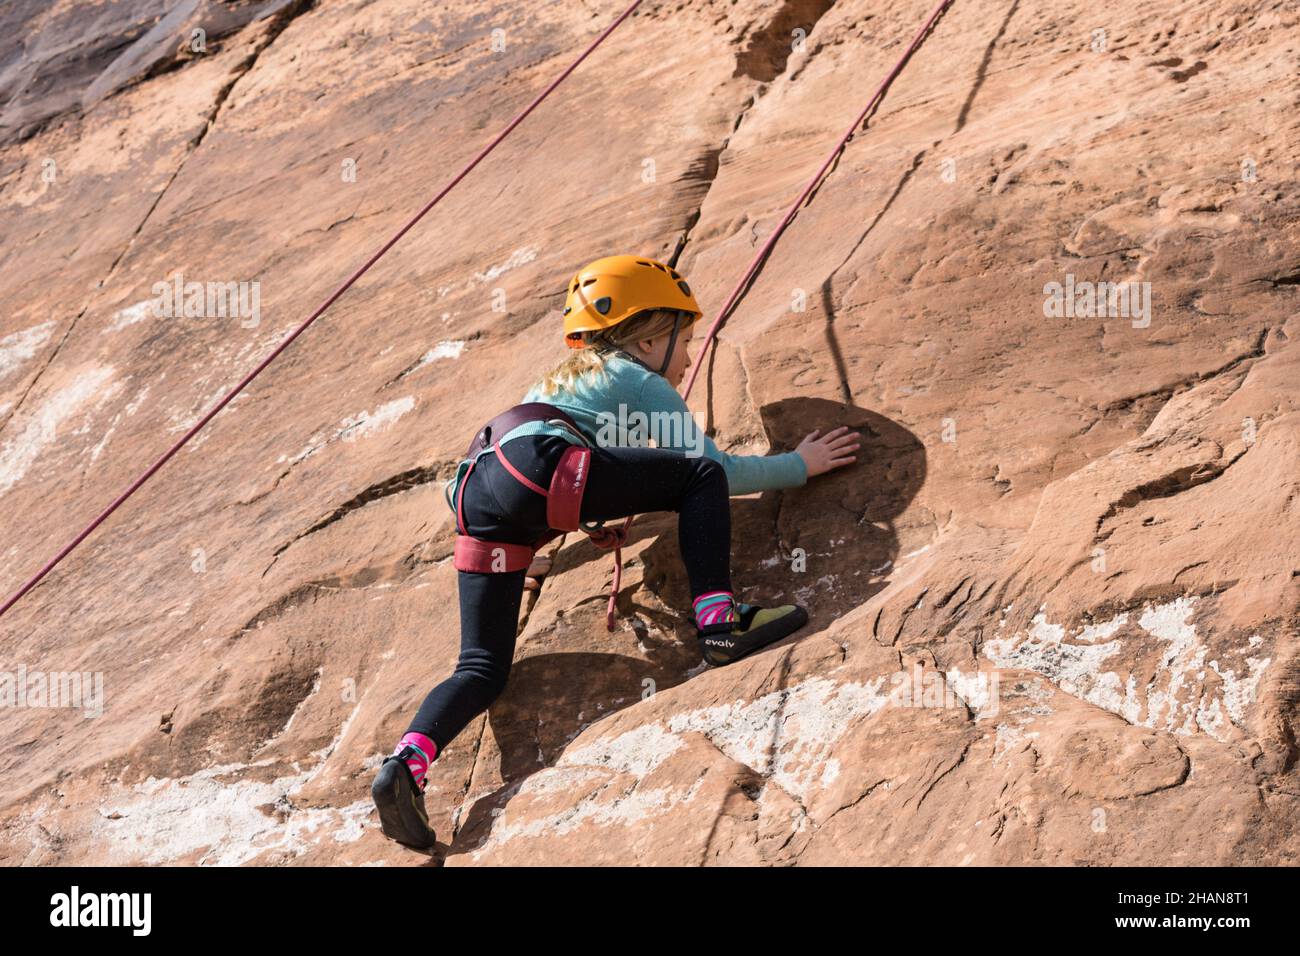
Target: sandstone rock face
x=1054 y=606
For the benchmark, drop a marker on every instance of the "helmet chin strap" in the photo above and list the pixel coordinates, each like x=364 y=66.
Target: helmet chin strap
x=672 y=343
x=668 y=355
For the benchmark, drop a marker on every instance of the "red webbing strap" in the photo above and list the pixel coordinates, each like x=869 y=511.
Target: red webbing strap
x=518 y=475
x=490 y=557
x=568 y=482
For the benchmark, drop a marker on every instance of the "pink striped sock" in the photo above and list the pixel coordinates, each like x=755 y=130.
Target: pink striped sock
x=715 y=607
x=418 y=762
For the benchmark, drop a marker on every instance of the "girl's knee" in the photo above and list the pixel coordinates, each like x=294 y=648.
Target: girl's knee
x=487 y=675
x=707 y=471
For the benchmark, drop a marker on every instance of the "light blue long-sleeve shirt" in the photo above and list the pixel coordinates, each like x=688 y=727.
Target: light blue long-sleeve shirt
x=630 y=403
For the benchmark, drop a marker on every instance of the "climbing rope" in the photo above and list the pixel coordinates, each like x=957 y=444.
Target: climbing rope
x=619 y=535
x=757 y=262
x=365 y=267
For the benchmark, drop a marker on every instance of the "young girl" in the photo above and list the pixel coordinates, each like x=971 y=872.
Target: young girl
x=629 y=320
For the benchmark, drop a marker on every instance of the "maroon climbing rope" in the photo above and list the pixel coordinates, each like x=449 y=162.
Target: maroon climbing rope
x=229 y=396
x=620 y=534
x=734 y=299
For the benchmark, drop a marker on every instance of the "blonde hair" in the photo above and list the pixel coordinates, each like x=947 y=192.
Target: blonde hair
x=590 y=360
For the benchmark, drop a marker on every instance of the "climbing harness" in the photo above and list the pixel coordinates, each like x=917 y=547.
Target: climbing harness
x=347 y=284
x=563 y=496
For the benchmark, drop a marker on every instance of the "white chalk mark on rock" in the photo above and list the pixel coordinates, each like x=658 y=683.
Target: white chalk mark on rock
x=19 y=347
x=42 y=428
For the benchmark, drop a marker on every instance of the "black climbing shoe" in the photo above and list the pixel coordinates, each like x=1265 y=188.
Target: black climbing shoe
x=758 y=627
x=401 y=803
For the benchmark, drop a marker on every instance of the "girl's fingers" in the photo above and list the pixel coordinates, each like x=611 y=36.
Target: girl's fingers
x=834 y=438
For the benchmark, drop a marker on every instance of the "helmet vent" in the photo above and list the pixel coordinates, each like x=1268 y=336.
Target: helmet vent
x=588 y=282
x=681 y=284
x=640 y=263
x=603 y=305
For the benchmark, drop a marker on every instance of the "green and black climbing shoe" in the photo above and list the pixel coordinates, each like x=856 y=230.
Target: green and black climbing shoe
x=757 y=627
x=400 y=803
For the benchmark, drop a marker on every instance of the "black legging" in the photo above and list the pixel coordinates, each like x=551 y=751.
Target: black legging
x=498 y=507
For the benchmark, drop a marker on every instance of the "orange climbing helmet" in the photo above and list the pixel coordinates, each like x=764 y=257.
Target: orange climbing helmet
x=613 y=289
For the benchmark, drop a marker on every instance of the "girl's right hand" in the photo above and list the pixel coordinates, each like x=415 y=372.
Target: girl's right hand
x=833 y=450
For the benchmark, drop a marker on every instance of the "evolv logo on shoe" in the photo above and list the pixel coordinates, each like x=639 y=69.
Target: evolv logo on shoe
x=103 y=909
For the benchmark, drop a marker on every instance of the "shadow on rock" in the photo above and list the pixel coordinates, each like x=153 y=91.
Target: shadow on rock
x=549 y=700
x=829 y=545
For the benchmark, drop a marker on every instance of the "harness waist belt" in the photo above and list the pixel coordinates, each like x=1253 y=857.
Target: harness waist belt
x=563 y=497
